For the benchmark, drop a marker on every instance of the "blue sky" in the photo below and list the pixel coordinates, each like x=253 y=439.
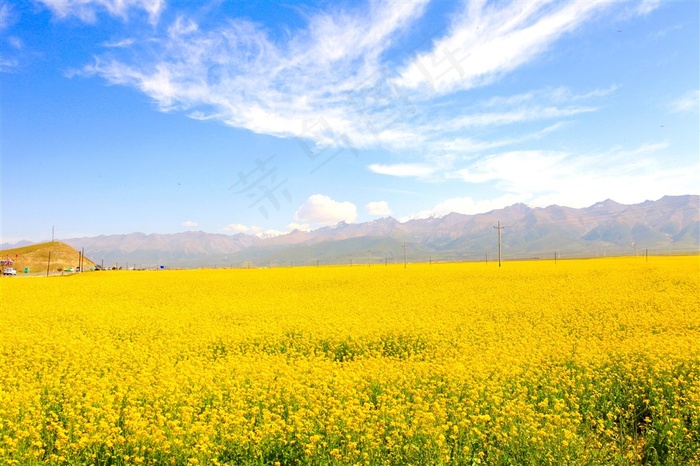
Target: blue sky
x=165 y=116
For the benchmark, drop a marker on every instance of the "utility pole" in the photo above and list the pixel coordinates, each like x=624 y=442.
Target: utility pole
x=369 y=259
x=53 y=231
x=48 y=267
x=499 y=228
x=404 y=254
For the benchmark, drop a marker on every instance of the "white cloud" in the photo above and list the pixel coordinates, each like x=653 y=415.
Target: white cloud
x=535 y=168
x=86 y=10
x=299 y=226
x=189 y=223
x=237 y=227
x=403 y=169
x=119 y=43
x=259 y=232
x=647 y=6
x=5 y=15
x=270 y=233
x=329 y=84
x=305 y=86
x=487 y=40
x=320 y=84
x=7 y=64
x=689 y=102
x=15 y=42
x=7 y=19
x=531 y=113
x=540 y=178
x=465 y=205
x=323 y=210
x=378 y=208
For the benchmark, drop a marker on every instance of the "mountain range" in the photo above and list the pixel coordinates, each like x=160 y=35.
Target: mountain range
x=668 y=225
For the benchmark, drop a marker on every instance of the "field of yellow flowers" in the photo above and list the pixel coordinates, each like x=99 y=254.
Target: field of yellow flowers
x=578 y=362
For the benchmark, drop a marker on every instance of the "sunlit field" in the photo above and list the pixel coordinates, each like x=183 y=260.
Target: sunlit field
x=578 y=362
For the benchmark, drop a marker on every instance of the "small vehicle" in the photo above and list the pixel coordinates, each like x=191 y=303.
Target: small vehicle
x=9 y=271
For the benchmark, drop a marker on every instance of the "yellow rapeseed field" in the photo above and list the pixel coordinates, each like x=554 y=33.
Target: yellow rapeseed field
x=579 y=362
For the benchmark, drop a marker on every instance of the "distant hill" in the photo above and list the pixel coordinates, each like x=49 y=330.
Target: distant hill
x=665 y=226
x=179 y=249
x=35 y=257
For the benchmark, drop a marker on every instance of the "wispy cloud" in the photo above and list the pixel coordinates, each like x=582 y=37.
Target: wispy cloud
x=688 y=102
x=5 y=15
x=331 y=83
x=488 y=40
x=87 y=10
x=310 y=86
x=119 y=43
x=189 y=223
x=647 y=6
x=7 y=65
x=7 y=18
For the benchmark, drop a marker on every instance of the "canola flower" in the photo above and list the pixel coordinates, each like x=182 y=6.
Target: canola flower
x=582 y=362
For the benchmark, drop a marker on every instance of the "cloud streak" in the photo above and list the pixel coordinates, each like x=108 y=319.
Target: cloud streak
x=87 y=10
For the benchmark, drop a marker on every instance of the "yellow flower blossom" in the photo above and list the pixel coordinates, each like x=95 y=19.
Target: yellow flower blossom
x=582 y=362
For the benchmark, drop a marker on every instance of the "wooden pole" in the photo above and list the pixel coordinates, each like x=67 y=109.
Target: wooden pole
x=499 y=228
